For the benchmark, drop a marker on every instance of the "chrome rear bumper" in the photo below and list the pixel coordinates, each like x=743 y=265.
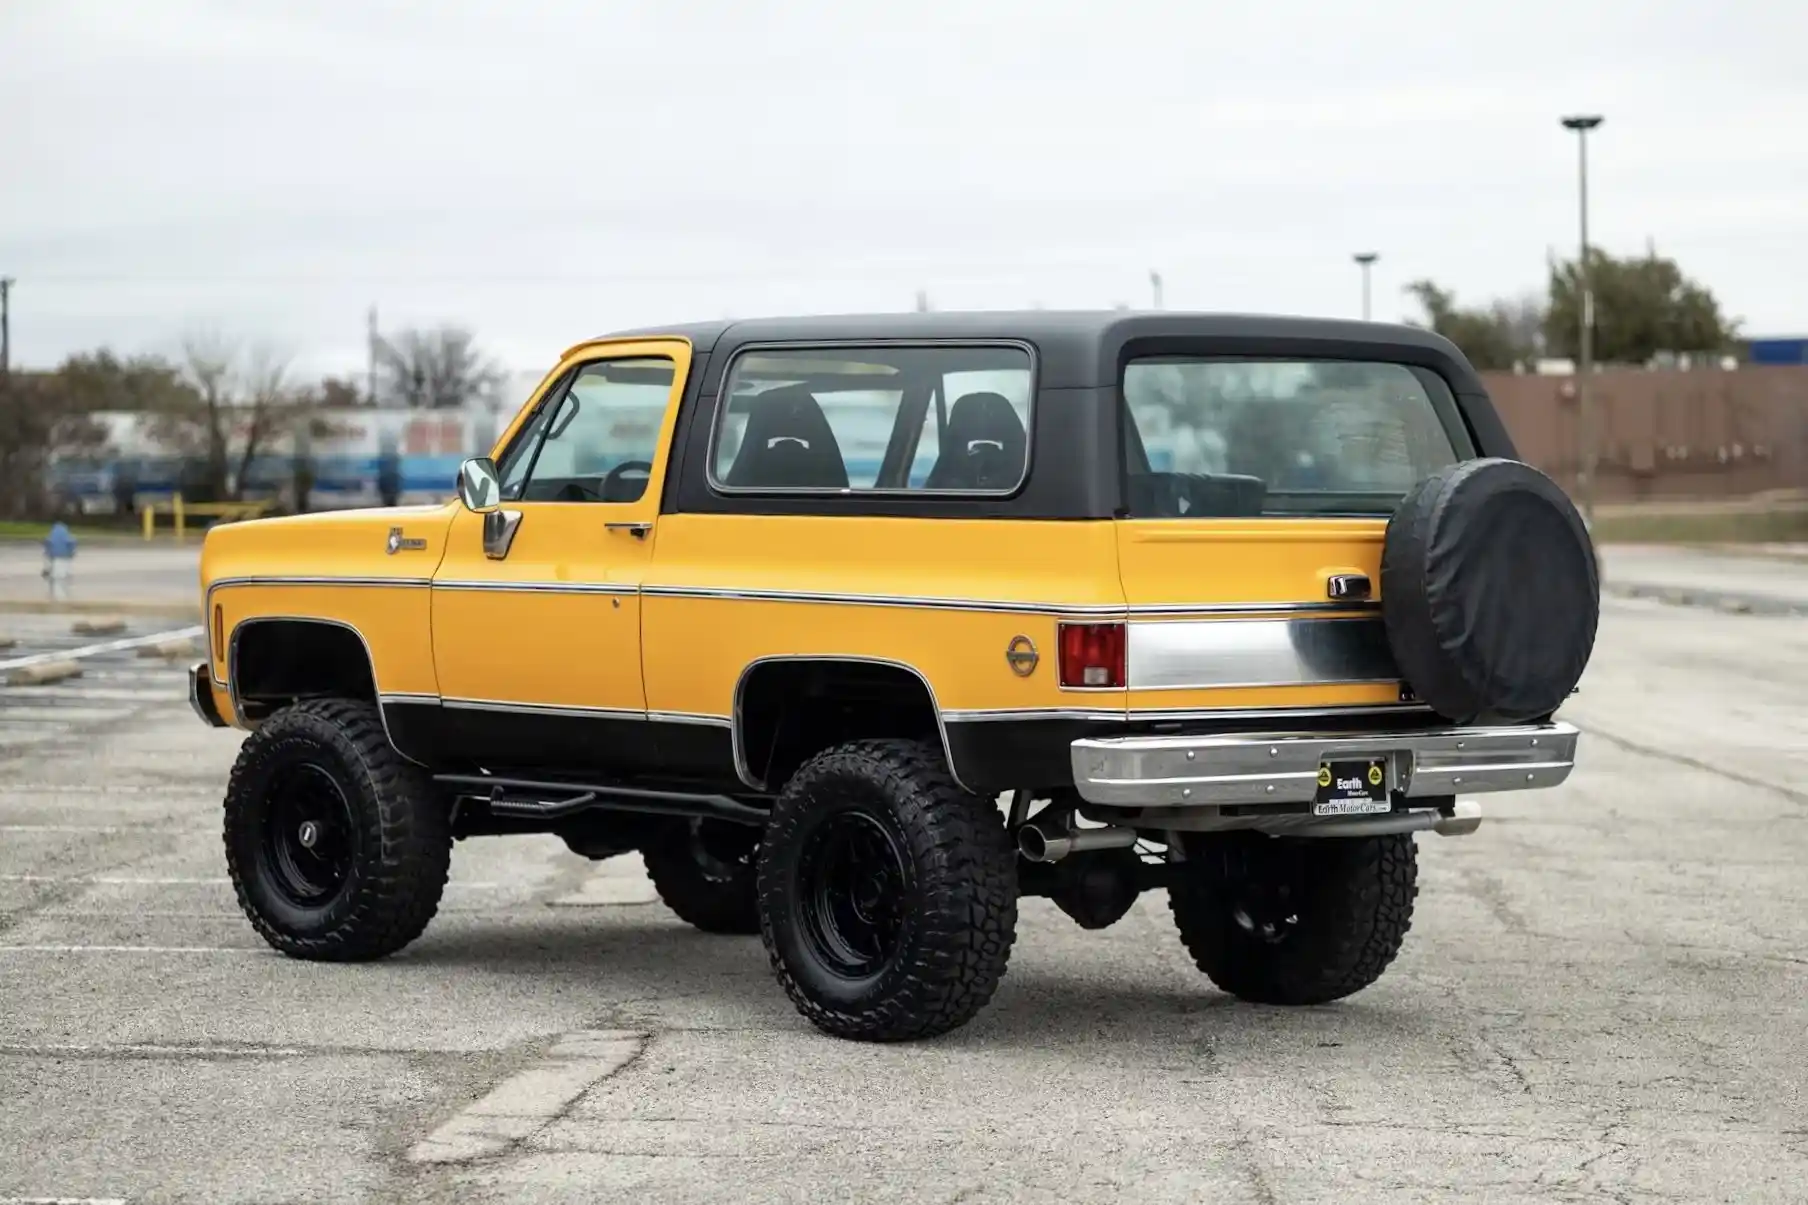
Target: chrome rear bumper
x=1283 y=767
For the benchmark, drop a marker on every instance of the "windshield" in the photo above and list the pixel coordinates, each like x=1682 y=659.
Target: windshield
x=1233 y=437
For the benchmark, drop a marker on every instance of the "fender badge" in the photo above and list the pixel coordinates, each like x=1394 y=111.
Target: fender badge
x=400 y=543
x=1021 y=656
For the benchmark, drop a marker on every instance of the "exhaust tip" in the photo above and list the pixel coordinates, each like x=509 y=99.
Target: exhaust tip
x=1465 y=817
x=1032 y=843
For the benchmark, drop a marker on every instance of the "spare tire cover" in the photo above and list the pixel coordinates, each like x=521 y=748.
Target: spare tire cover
x=1490 y=592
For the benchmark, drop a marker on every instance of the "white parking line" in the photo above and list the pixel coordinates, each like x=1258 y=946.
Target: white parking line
x=530 y=1099
x=59 y=828
x=109 y=646
x=6 y=949
x=62 y=1201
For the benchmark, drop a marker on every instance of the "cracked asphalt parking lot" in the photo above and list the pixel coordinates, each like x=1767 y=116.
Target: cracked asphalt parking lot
x=1602 y=999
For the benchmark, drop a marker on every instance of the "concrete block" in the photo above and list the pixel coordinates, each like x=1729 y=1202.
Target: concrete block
x=41 y=673
x=169 y=649
x=99 y=627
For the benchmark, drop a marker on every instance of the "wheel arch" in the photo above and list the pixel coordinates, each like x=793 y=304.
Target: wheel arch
x=261 y=674
x=761 y=677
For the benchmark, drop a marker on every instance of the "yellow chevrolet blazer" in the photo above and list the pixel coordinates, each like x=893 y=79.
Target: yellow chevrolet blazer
x=859 y=629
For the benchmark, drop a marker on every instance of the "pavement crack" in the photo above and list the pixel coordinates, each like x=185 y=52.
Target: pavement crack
x=1694 y=763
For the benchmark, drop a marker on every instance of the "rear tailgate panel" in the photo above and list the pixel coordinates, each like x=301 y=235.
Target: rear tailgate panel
x=1236 y=614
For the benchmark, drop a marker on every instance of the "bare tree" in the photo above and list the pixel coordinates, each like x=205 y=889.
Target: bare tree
x=238 y=401
x=40 y=421
x=438 y=369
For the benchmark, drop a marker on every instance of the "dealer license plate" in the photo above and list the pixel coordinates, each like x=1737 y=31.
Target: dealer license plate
x=1352 y=788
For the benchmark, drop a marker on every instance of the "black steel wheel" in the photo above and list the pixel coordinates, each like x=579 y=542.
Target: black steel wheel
x=337 y=846
x=852 y=886
x=1294 y=920
x=887 y=894
x=704 y=870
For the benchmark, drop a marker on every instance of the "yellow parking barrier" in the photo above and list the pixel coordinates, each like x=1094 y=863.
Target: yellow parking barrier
x=180 y=512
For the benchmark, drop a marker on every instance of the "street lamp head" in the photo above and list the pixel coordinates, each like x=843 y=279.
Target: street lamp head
x=1366 y=257
x=1582 y=122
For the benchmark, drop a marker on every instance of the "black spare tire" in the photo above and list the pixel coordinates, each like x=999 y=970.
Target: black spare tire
x=1490 y=592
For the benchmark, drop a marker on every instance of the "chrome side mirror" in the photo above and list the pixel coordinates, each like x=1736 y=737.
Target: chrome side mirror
x=479 y=486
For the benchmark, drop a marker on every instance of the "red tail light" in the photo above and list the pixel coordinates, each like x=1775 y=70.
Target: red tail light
x=1092 y=654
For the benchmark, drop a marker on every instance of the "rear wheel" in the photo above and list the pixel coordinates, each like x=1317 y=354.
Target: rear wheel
x=337 y=847
x=887 y=894
x=1294 y=920
x=704 y=872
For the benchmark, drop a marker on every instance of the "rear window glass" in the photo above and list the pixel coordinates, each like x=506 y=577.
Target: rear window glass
x=952 y=419
x=1231 y=437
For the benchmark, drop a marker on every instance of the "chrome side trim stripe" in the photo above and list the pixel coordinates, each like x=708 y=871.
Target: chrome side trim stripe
x=1221 y=653
x=583 y=713
x=503 y=587
x=401 y=583
x=1100 y=611
x=697 y=718
x=700 y=719
x=1031 y=714
x=918 y=602
x=1176 y=714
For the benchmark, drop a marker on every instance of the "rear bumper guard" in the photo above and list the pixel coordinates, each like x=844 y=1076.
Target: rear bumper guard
x=1250 y=768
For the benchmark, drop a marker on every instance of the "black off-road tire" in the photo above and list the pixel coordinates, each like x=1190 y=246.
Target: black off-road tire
x=396 y=832
x=706 y=877
x=955 y=911
x=1352 y=898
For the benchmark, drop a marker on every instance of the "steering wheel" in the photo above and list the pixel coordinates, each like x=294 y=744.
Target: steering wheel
x=616 y=474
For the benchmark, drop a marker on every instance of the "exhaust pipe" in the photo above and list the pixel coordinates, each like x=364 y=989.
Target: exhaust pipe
x=1041 y=845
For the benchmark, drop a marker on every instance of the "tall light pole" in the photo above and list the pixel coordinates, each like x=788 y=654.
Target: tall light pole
x=1365 y=258
x=1155 y=286
x=1585 y=419
x=6 y=330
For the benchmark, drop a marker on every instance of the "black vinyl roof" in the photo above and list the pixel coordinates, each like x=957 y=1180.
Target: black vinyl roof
x=1082 y=348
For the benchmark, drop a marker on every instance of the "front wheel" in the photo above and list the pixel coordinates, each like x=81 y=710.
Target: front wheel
x=887 y=894
x=1294 y=920
x=337 y=847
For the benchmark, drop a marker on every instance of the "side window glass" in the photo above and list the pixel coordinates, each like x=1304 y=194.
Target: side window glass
x=597 y=442
x=826 y=419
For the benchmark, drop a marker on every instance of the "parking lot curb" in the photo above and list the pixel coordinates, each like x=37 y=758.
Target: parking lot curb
x=1716 y=600
x=43 y=673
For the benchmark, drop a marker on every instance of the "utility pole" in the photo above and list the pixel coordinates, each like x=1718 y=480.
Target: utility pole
x=1155 y=286
x=1365 y=258
x=370 y=356
x=6 y=326
x=922 y=301
x=1585 y=419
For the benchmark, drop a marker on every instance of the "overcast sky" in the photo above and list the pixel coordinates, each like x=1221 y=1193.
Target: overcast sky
x=546 y=170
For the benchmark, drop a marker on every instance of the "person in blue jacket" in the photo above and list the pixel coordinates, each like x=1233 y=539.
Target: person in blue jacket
x=59 y=550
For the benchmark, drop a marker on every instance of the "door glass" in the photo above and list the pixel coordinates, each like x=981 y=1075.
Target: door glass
x=596 y=443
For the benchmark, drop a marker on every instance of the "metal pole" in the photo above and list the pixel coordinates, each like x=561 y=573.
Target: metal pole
x=370 y=356
x=1585 y=400
x=6 y=326
x=1155 y=286
x=1365 y=258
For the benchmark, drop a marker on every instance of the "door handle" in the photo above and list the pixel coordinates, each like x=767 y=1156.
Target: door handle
x=637 y=530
